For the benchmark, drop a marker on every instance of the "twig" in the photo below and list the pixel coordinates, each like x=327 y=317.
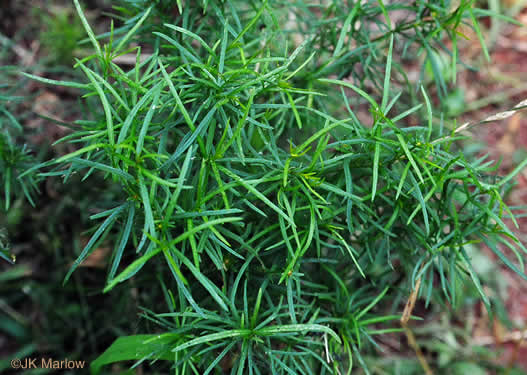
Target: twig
x=407 y=313
x=496 y=117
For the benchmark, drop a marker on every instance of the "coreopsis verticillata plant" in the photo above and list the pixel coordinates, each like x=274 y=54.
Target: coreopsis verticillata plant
x=288 y=229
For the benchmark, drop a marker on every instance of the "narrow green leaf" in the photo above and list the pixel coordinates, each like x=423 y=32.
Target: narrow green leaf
x=230 y=334
x=88 y=29
x=132 y=115
x=192 y=35
x=131 y=32
x=479 y=34
x=48 y=81
x=125 y=236
x=214 y=291
x=513 y=174
x=354 y=88
x=175 y=195
x=502 y=257
x=146 y=123
x=344 y=32
x=250 y=24
x=258 y=194
x=104 y=102
x=408 y=154
x=376 y=156
x=371 y=304
x=107 y=224
x=428 y=113
x=297 y=329
x=387 y=77
x=149 y=216
x=139 y=263
x=223 y=47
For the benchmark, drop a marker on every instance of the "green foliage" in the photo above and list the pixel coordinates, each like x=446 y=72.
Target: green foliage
x=15 y=158
x=131 y=348
x=287 y=232
x=62 y=32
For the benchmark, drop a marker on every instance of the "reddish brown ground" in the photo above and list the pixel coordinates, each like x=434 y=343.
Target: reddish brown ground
x=506 y=139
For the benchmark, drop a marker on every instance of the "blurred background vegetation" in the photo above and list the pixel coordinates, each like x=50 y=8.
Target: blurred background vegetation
x=39 y=317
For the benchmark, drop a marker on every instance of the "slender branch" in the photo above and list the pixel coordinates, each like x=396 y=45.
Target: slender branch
x=407 y=312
